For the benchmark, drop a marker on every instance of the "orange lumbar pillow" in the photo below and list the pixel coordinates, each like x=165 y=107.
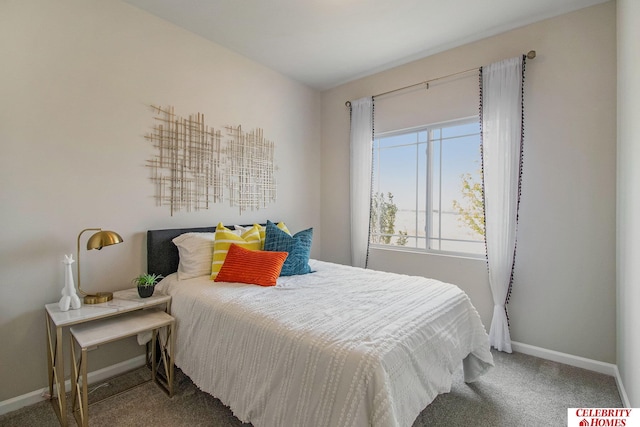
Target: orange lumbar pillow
x=251 y=266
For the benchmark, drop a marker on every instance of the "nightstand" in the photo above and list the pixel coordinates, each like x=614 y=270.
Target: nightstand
x=123 y=302
x=90 y=335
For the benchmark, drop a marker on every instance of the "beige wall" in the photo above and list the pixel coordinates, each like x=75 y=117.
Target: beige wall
x=564 y=292
x=76 y=80
x=629 y=198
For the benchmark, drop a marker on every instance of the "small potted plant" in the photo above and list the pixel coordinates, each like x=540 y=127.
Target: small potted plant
x=146 y=284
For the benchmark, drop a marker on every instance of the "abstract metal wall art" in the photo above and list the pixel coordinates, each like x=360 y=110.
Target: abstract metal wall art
x=249 y=169
x=193 y=164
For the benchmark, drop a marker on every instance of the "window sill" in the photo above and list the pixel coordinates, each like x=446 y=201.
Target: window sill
x=391 y=248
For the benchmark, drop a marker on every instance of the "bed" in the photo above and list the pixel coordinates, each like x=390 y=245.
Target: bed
x=341 y=346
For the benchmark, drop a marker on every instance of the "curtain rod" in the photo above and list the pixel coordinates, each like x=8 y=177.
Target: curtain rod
x=531 y=54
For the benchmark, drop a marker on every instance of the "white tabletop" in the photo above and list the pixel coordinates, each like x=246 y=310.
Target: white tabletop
x=114 y=328
x=123 y=301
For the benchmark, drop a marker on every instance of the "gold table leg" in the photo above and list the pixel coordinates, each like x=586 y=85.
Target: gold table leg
x=165 y=360
x=55 y=362
x=79 y=386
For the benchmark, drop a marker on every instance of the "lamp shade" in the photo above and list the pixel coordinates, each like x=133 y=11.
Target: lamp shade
x=103 y=238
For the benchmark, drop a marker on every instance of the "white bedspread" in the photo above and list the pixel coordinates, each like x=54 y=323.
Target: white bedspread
x=342 y=346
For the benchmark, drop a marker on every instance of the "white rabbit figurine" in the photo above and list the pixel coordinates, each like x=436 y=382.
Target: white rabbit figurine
x=69 y=297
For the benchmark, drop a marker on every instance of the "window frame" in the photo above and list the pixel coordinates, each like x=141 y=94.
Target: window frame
x=429 y=190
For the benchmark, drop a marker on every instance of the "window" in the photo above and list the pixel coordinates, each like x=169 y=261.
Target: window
x=427 y=190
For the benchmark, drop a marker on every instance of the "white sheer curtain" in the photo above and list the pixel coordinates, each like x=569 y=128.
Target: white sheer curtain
x=502 y=134
x=360 y=161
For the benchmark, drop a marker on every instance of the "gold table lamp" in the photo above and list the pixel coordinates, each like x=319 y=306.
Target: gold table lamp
x=97 y=241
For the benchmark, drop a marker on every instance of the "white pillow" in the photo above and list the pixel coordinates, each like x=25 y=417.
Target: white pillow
x=196 y=252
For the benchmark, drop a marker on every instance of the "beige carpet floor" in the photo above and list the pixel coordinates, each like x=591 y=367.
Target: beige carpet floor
x=520 y=391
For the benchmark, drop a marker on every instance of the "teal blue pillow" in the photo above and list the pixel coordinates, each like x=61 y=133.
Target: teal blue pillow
x=297 y=246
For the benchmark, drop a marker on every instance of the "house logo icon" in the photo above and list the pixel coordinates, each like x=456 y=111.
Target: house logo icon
x=584 y=422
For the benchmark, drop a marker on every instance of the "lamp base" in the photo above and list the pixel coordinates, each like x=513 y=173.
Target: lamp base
x=98 y=298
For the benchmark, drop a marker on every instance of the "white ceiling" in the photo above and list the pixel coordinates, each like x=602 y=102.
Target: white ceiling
x=324 y=43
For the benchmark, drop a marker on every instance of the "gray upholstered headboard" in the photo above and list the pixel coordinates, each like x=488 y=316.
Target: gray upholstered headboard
x=162 y=254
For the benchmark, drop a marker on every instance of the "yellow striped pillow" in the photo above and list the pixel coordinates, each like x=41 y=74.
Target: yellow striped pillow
x=262 y=228
x=224 y=237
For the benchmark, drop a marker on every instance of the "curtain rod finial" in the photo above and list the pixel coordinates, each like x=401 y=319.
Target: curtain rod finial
x=348 y=104
x=531 y=54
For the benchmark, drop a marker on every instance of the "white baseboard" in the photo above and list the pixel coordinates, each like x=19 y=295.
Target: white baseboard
x=577 y=361
x=568 y=359
x=93 y=377
x=621 y=390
